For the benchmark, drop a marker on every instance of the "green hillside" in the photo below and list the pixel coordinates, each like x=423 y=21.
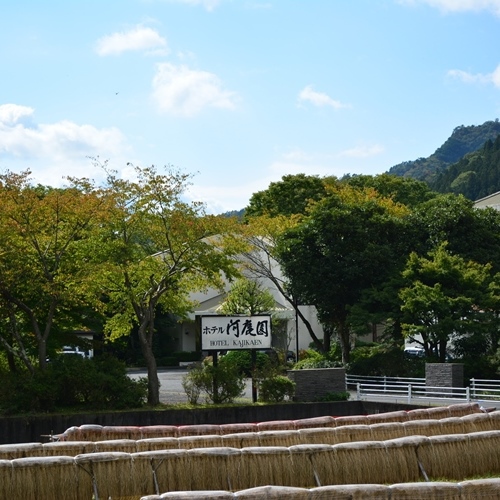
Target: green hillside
x=463 y=140
x=475 y=176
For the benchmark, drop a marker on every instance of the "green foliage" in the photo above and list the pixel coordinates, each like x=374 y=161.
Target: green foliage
x=72 y=382
x=384 y=359
x=247 y=297
x=220 y=384
x=275 y=389
x=242 y=359
x=447 y=297
x=289 y=196
x=311 y=358
x=351 y=241
x=335 y=396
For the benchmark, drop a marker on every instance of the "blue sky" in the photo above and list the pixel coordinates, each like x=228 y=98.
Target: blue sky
x=240 y=92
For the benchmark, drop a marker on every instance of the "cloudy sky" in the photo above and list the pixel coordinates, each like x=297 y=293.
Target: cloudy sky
x=240 y=92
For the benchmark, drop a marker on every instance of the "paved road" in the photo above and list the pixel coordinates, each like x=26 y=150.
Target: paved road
x=171 y=390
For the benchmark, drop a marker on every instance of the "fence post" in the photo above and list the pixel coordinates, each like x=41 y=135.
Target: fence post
x=409 y=394
x=358 y=391
x=473 y=385
x=467 y=394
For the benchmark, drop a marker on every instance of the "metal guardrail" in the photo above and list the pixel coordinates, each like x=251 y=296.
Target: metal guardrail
x=414 y=390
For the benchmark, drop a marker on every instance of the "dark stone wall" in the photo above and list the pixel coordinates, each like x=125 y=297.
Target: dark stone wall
x=313 y=384
x=444 y=374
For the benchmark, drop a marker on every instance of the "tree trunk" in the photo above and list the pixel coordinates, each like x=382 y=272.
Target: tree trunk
x=345 y=341
x=147 y=352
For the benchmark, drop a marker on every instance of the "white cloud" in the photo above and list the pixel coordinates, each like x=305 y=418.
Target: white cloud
x=58 y=149
x=185 y=92
x=137 y=39
x=13 y=113
x=308 y=94
x=483 y=78
x=459 y=5
x=362 y=151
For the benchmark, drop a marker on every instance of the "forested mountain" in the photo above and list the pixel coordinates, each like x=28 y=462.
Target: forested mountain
x=463 y=140
x=475 y=176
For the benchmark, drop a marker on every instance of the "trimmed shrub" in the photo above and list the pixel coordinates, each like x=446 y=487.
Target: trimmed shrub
x=276 y=389
x=72 y=382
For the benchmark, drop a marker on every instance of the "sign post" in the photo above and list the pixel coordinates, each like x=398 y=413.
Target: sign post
x=227 y=333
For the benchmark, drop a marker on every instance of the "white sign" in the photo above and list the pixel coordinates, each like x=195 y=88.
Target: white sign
x=220 y=333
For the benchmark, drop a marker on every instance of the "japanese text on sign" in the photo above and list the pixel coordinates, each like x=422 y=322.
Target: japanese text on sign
x=235 y=332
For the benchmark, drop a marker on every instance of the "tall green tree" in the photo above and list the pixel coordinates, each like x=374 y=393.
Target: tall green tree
x=291 y=195
x=448 y=298
x=158 y=249
x=247 y=297
x=44 y=266
x=347 y=243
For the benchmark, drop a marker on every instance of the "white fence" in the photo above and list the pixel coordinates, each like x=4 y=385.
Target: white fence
x=414 y=390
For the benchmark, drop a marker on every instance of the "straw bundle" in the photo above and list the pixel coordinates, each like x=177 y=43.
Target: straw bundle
x=495 y=419
x=419 y=414
x=485 y=446
x=36 y=478
x=477 y=422
x=12 y=451
x=5 y=479
x=236 y=428
x=158 y=431
x=208 y=441
x=303 y=473
x=321 y=435
x=403 y=459
x=446 y=457
x=248 y=439
x=352 y=420
x=144 y=466
x=196 y=495
x=451 y=425
x=90 y=432
x=350 y=492
x=392 y=430
x=172 y=470
x=70 y=434
x=198 y=430
x=122 y=445
x=159 y=443
x=213 y=468
x=422 y=428
x=363 y=462
x=430 y=491
x=485 y=489
x=276 y=425
x=261 y=466
x=281 y=492
x=307 y=423
x=392 y=416
x=241 y=439
x=351 y=433
x=438 y=412
x=279 y=438
x=461 y=409
x=324 y=463
x=67 y=448
x=111 y=473
x=121 y=432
